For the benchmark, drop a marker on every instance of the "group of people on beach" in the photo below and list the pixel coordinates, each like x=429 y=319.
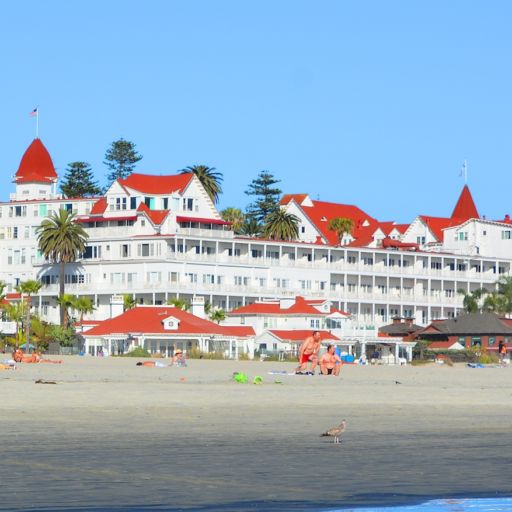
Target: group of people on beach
x=178 y=359
x=329 y=363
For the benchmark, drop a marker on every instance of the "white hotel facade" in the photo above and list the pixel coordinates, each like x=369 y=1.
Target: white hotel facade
x=156 y=237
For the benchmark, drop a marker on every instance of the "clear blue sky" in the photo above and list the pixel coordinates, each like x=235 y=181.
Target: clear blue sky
x=374 y=103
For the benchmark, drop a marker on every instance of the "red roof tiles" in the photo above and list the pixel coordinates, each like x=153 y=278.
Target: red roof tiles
x=155 y=216
x=36 y=165
x=149 y=320
x=152 y=184
x=465 y=208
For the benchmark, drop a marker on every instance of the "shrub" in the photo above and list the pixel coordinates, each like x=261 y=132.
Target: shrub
x=138 y=352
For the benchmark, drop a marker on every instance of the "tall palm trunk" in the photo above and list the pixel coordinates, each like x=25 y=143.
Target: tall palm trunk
x=62 y=274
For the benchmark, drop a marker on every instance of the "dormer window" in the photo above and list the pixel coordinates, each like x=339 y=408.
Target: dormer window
x=324 y=219
x=171 y=323
x=188 y=204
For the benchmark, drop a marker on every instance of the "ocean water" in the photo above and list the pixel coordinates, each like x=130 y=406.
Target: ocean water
x=443 y=505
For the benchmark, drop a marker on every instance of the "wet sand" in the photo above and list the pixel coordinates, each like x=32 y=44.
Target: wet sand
x=113 y=436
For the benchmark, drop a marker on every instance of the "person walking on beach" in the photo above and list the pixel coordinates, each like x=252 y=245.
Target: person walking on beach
x=502 y=352
x=330 y=362
x=308 y=353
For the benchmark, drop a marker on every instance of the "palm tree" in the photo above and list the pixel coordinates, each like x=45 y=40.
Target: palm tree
x=129 y=301
x=66 y=301
x=235 y=216
x=218 y=315
x=251 y=227
x=281 y=225
x=341 y=226
x=83 y=305
x=495 y=302
x=61 y=241
x=471 y=300
x=28 y=288
x=41 y=332
x=2 y=288
x=179 y=303
x=209 y=178
x=16 y=312
x=504 y=289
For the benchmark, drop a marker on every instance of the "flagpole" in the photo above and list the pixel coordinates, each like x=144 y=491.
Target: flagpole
x=37 y=123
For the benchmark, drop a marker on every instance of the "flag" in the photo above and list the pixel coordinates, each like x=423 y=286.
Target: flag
x=34 y=112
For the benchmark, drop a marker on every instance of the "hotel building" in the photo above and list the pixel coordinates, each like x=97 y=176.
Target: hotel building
x=160 y=236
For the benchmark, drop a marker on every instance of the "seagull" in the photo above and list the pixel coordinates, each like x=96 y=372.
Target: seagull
x=336 y=432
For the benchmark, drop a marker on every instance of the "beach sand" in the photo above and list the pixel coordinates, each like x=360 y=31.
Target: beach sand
x=113 y=436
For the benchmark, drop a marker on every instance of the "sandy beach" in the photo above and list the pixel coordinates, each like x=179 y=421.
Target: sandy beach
x=113 y=436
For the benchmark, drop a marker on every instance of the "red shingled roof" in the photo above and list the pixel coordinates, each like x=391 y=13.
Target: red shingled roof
x=151 y=184
x=149 y=320
x=437 y=224
x=99 y=206
x=155 y=216
x=36 y=165
x=299 y=335
x=322 y=212
x=465 y=208
x=300 y=307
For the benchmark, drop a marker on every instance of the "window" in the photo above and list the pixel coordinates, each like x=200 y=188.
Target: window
x=234 y=252
x=165 y=203
x=303 y=229
x=420 y=240
x=120 y=203
x=208 y=279
x=154 y=277
x=174 y=277
x=15 y=232
x=476 y=341
x=241 y=280
x=190 y=277
x=351 y=260
x=125 y=250
x=492 y=340
x=314 y=323
x=145 y=250
x=133 y=203
x=117 y=278
x=506 y=235
x=462 y=236
x=304 y=284
x=256 y=253
x=188 y=204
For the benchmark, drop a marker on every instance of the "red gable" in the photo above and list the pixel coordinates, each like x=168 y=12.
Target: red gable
x=437 y=224
x=322 y=212
x=99 y=207
x=155 y=216
x=465 y=208
x=36 y=165
x=300 y=307
x=149 y=320
x=151 y=184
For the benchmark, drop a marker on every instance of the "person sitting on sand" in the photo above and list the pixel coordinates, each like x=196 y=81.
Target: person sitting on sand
x=178 y=358
x=330 y=362
x=308 y=353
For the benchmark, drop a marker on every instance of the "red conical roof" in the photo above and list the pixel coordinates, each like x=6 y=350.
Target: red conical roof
x=465 y=208
x=36 y=165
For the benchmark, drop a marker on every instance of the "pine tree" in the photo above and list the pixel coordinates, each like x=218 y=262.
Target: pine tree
x=79 y=181
x=267 y=196
x=121 y=158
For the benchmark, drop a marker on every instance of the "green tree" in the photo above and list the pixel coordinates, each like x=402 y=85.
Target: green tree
x=120 y=159
x=217 y=315
x=61 y=241
x=235 y=216
x=82 y=305
x=16 y=312
x=64 y=335
x=66 y=301
x=27 y=289
x=504 y=289
x=179 y=303
x=251 y=228
x=79 y=181
x=2 y=289
x=129 y=301
x=41 y=332
x=471 y=300
x=209 y=178
x=281 y=225
x=495 y=302
x=341 y=226
x=266 y=196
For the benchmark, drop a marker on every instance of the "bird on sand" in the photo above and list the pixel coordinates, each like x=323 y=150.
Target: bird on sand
x=336 y=432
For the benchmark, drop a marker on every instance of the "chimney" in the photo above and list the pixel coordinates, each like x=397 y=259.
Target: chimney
x=197 y=306
x=507 y=218
x=116 y=305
